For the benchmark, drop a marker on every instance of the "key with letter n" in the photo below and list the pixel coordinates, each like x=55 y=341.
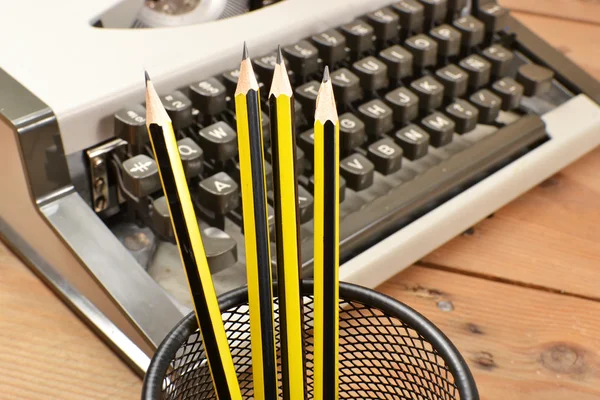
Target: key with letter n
x=219 y=141
x=413 y=140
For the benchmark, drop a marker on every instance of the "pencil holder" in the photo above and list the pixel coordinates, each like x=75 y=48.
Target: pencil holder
x=386 y=351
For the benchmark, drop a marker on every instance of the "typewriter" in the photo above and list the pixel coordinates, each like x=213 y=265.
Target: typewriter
x=449 y=109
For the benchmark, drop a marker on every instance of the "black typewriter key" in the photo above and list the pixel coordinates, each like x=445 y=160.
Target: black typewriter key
x=359 y=36
x=372 y=73
x=271 y=222
x=220 y=249
x=303 y=58
x=493 y=16
x=209 y=96
x=385 y=23
x=435 y=10
x=439 y=127
x=300 y=118
x=230 y=80
x=307 y=96
x=358 y=171
x=429 y=91
x=500 y=58
x=264 y=67
x=454 y=80
x=179 y=108
x=479 y=70
x=266 y=128
x=536 y=80
x=454 y=7
x=192 y=157
x=219 y=141
x=377 y=116
x=306 y=141
x=140 y=175
x=448 y=40
x=464 y=116
x=130 y=125
x=413 y=140
x=488 y=105
x=404 y=104
x=352 y=133
x=510 y=91
x=399 y=62
x=346 y=86
x=305 y=205
x=161 y=218
x=412 y=15
x=471 y=29
x=386 y=156
x=331 y=45
x=219 y=193
x=311 y=186
x=423 y=48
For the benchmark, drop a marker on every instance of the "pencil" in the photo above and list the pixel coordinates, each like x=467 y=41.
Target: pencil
x=285 y=196
x=256 y=232
x=326 y=242
x=191 y=249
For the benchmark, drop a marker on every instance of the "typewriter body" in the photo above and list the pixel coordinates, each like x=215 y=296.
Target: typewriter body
x=62 y=80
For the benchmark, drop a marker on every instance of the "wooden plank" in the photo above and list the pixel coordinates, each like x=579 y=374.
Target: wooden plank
x=577 y=41
x=520 y=344
x=46 y=352
x=577 y=10
x=548 y=237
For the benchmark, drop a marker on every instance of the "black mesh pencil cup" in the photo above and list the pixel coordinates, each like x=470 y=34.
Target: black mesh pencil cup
x=387 y=351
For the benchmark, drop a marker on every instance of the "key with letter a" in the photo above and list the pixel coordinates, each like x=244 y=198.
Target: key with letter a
x=413 y=140
x=219 y=194
x=140 y=175
x=219 y=141
x=386 y=156
x=358 y=171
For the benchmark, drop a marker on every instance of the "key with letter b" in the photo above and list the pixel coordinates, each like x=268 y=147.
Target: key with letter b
x=386 y=156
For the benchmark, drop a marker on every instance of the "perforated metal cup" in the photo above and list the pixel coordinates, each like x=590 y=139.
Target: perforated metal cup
x=387 y=351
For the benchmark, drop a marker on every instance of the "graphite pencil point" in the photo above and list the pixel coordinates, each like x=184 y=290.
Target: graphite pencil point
x=245 y=52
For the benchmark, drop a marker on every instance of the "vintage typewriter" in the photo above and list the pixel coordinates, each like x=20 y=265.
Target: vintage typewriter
x=449 y=110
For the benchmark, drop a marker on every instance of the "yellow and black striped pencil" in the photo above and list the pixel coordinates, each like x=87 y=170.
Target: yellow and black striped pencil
x=256 y=232
x=326 y=243
x=285 y=194
x=191 y=248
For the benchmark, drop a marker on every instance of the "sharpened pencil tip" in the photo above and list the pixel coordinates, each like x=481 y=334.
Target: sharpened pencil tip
x=245 y=52
x=147 y=77
x=326 y=74
x=279 y=55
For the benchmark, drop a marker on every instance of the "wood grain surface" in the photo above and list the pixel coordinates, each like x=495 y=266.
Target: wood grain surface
x=576 y=10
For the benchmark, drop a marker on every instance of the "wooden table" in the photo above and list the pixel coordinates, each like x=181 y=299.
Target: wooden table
x=518 y=294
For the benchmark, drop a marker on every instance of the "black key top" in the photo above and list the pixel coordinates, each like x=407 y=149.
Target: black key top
x=359 y=36
x=311 y=187
x=500 y=58
x=220 y=248
x=471 y=29
x=435 y=10
x=305 y=205
x=488 y=105
x=219 y=194
x=209 y=96
x=399 y=62
x=385 y=23
x=493 y=16
x=302 y=57
x=161 y=219
x=266 y=128
x=464 y=116
x=264 y=67
x=448 y=40
x=331 y=45
x=307 y=96
x=352 y=133
x=439 y=127
x=479 y=70
x=429 y=91
x=412 y=15
x=377 y=116
x=140 y=175
x=423 y=49
x=346 y=86
x=372 y=73
x=404 y=104
x=219 y=141
x=179 y=108
x=130 y=125
x=306 y=141
x=454 y=7
x=510 y=91
x=299 y=114
x=536 y=80
x=271 y=222
x=230 y=80
x=454 y=80
x=386 y=156
x=413 y=140
x=358 y=171
x=192 y=157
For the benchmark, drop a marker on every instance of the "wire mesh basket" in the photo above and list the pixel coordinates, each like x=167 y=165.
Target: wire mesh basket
x=386 y=351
